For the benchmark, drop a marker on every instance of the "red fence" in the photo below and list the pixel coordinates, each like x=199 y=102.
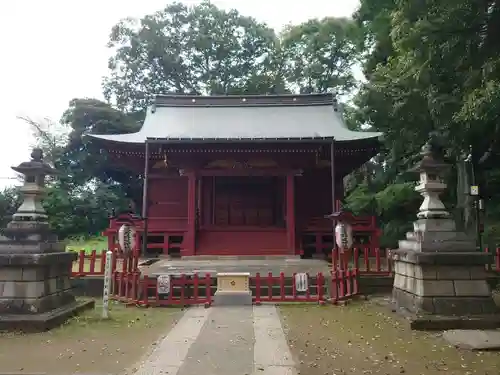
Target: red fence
x=265 y=289
x=366 y=261
x=185 y=290
x=93 y=264
x=495 y=266
x=343 y=285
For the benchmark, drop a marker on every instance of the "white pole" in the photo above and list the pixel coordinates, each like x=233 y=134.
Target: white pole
x=107 y=285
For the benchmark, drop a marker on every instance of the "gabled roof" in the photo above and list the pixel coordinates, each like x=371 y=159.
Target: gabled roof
x=181 y=118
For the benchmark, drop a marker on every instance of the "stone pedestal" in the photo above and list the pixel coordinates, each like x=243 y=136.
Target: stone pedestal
x=439 y=274
x=233 y=288
x=35 y=291
x=446 y=284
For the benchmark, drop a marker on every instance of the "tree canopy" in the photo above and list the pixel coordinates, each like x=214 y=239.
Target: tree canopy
x=429 y=66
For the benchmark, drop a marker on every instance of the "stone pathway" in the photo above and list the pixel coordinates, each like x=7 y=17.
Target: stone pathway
x=223 y=341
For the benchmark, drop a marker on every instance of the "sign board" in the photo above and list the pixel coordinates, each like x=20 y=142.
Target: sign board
x=126 y=238
x=107 y=284
x=163 y=284
x=474 y=190
x=301 y=282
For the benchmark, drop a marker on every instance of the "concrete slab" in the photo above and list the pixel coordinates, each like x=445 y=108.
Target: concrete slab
x=243 y=340
x=252 y=266
x=473 y=339
x=169 y=355
x=225 y=345
x=272 y=355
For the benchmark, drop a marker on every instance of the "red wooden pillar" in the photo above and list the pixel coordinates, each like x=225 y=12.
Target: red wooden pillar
x=111 y=240
x=290 y=211
x=189 y=248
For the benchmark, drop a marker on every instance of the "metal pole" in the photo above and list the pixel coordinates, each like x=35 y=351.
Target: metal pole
x=334 y=208
x=332 y=172
x=145 y=198
x=107 y=284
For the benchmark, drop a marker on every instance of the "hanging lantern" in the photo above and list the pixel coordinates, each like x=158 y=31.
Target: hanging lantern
x=343 y=229
x=343 y=235
x=126 y=238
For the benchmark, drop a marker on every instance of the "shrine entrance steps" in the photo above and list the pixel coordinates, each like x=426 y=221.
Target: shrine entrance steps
x=251 y=264
x=241 y=257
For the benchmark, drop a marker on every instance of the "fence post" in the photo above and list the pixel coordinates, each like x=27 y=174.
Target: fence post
x=107 y=285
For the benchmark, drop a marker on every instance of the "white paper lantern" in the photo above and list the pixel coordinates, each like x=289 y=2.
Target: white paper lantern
x=126 y=238
x=343 y=236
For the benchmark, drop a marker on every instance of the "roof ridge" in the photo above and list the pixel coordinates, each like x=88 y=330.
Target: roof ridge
x=245 y=100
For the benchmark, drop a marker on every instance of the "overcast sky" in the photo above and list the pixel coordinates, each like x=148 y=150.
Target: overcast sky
x=55 y=50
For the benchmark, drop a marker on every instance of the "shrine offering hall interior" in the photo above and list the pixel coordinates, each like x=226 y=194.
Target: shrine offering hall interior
x=240 y=175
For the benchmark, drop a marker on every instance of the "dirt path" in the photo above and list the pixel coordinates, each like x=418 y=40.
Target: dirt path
x=87 y=344
x=363 y=338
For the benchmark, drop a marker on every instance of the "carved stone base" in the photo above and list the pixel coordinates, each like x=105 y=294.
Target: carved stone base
x=446 y=284
x=35 y=285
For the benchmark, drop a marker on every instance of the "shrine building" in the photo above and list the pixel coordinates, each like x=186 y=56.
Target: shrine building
x=241 y=175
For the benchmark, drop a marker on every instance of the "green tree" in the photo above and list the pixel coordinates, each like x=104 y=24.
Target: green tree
x=319 y=55
x=9 y=202
x=79 y=198
x=432 y=66
x=82 y=159
x=197 y=50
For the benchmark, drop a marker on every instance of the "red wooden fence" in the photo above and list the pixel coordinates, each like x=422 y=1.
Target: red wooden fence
x=93 y=264
x=185 y=290
x=265 y=289
x=366 y=261
x=344 y=285
x=495 y=267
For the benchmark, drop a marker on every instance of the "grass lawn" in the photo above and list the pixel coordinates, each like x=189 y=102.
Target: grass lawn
x=363 y=338
x=88 y=344
x=96 y=243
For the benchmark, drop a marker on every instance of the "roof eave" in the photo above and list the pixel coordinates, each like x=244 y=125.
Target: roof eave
x=150 y=140
x=240 y=140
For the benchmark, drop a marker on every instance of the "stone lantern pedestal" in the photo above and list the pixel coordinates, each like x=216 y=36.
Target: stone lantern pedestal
x=35 y=270
x=440 y=277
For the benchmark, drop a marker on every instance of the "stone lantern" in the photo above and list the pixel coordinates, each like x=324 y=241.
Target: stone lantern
x=29 y=224
x=35 y=288
x=437 y=269
x=431 y=185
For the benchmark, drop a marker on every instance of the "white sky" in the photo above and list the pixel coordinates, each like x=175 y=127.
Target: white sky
x=54 y=50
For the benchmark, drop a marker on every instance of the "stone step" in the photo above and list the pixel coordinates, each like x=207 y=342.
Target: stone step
x=240 y=257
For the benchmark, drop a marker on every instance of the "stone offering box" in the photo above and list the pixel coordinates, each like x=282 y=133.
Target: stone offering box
x=233 y=288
